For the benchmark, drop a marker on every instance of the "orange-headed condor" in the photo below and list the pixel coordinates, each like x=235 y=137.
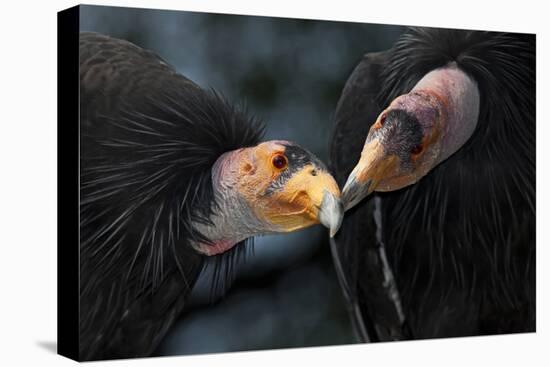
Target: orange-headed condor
x=170 y=174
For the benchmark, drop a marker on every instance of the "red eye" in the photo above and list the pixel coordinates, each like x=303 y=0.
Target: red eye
x=417 y=149
x=279 y=161
x=383 y=119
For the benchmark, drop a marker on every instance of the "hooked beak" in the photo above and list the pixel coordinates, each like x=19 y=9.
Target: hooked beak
x=354 y=191
x=374 y=165
x=331 y=213
x=306 y=199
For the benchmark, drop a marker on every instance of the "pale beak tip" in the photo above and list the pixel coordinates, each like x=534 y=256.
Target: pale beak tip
x=354 y=192
x=331 y=213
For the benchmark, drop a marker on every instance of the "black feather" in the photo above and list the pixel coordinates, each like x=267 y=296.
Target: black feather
x=149 y=138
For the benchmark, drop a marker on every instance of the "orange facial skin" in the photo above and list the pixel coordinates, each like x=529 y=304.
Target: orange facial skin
x=274 y=187
x=289 y=196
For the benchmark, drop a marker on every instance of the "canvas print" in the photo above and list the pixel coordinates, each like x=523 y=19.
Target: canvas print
x=252 y=183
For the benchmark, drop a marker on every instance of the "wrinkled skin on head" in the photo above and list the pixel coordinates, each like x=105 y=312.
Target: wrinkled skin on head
x=273 y=187
x=415 y=133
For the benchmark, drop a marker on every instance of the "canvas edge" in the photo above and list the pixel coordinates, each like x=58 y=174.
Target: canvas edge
x=68 y=156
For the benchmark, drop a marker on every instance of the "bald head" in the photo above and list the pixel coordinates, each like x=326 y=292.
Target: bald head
x=276 y=186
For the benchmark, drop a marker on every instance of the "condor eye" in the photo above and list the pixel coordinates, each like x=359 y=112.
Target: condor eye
x=417 y=149
x=279 y=161
x=383 y=119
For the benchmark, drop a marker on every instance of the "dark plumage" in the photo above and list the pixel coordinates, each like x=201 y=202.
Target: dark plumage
x=171 y=174
x=453 y=254
x=149 y=138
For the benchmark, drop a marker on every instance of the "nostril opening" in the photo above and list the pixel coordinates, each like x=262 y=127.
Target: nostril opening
x=314 y=172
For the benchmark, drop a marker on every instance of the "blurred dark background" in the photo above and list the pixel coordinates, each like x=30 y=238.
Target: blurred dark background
x=290 y=73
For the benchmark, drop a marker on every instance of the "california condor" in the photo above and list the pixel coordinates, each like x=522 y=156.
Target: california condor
x=169 y=174
x=441 y=129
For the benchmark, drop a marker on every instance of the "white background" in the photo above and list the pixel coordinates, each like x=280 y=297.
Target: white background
x=28 y=183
